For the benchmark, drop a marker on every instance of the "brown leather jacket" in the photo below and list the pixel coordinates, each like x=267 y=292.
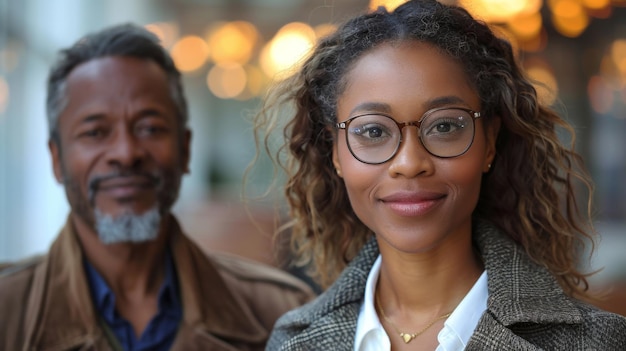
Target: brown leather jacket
x=228 y=303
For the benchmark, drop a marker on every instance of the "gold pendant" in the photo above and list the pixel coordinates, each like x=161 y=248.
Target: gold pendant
x=407 y=337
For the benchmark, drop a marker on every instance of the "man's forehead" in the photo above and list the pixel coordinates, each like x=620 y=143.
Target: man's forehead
x=127 y=66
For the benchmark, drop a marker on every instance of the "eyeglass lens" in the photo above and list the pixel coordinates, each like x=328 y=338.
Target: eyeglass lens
x=376 y=138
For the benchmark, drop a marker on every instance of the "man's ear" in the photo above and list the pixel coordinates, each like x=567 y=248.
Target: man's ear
x=57 y=167
x=491 y=135
x=186 y=149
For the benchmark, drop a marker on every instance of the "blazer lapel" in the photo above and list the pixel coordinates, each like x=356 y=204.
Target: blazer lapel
x=329 y=322
x=492 y=335
x=520 y=291
x=521 y=294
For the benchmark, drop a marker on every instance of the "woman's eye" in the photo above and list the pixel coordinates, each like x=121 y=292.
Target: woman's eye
x=371 y=131
x=374 y=132
x=445 y=126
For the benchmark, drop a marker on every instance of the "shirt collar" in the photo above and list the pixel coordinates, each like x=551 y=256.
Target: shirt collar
x=368 y=325
x=457 y=329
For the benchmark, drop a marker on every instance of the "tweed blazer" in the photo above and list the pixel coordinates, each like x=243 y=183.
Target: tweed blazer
x=526 y=308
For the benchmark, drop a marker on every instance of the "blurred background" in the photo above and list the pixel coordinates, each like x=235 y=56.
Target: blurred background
x=230 y=50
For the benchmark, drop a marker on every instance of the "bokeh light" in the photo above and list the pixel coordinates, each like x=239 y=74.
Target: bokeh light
x=324 y=29
x=190 y=53
x=4 y=95
x=544 y=80
x=526 y=26
x=618 y=55
x=596 y=4
x=289 y=46
x=227 y=81
x=569 y=17
x=165 y=31
x=390 y=5
x=499 y=11
x=600 y=94
x=233 y=42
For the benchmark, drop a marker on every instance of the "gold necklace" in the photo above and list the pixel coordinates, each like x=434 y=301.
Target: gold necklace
x=408 y=337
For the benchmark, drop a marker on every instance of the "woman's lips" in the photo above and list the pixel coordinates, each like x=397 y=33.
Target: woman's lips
x=412 y=204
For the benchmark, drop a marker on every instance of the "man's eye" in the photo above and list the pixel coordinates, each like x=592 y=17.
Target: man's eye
x=92 y=133
x=151 y=130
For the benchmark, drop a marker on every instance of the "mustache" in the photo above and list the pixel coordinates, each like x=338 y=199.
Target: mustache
x=154 y=178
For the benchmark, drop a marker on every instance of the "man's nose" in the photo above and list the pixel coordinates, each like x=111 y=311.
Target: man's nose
x=125 y=150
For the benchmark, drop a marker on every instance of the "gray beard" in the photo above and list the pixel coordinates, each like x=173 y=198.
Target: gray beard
x=127 y=227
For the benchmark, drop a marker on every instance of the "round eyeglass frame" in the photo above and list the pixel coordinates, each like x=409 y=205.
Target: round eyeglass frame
x=473 y=114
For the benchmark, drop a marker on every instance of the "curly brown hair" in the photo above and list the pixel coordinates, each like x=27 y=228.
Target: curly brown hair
x=530 y=192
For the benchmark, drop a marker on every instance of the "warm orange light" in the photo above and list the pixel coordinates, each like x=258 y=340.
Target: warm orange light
x=544 y=81
x=190 y=53
x=324 y=29
x=596 y=4
x=526 y=27
x=569 y=17
x=535 y=44
x=390 y=5
x=618 y=54
x=500 y=10
x=600 y=94
x=4 y=95
x=257 y=81
x=166 y=32
x=289 y=46
x=233 y=42
x=226 y=81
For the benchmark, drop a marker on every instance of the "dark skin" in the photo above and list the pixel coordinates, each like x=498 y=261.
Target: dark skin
x=120 y=119
x=419 y=206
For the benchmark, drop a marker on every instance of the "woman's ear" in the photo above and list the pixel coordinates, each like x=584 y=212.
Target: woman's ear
x=336 y=160
x=491 y=135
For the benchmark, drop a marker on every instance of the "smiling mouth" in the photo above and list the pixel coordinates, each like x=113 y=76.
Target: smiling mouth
x=124 y=188
x=411 y=206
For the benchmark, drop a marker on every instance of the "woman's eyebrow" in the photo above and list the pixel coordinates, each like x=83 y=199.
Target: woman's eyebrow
x=371 y=106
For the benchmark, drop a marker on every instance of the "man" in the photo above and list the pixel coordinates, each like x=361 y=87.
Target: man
x=121 y=275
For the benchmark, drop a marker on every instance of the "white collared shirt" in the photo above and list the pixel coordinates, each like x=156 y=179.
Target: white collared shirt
x=458 y=328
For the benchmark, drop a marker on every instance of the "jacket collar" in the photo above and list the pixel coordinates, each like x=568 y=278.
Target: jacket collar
x=519 y=291
x=208 y=303
x=63 y=317
x=337 y=307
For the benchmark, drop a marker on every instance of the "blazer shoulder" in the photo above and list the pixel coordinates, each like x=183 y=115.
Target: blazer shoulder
x=603 y=323
x=602 y=330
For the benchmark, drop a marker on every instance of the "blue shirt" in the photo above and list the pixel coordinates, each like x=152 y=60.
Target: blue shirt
x=160 y=332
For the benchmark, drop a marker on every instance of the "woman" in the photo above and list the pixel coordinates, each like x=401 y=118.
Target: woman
x=427 y=184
